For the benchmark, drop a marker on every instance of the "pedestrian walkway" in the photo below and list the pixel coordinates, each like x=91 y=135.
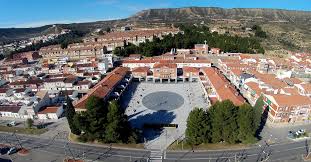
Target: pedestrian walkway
x=139 y=114
x=156 y=156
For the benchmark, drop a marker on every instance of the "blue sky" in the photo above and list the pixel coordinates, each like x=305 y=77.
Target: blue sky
x=32 y=13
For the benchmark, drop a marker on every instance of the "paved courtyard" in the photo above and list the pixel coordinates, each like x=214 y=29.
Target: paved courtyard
x=167 y=103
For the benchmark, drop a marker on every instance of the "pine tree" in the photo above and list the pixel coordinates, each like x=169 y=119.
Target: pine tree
x=198 y=127
x=247 y=124
x=258 y=110
x=70 y=113
x=224 y=122
x=114 y=118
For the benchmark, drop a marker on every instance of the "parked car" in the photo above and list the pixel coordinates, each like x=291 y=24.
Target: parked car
x=12 y=123
x=4 y=150
x=290 y=134
x=301 y=131
x=12 y=150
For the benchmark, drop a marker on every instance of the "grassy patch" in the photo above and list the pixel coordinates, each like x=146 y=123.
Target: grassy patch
x=209 y=146
x=75 y=138
x=33 y=131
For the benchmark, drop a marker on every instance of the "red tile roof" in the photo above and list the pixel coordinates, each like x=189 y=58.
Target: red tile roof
x=291 y=100
x=10 y=108
x=222 y=86
x=104 y=87
x=141 y=70
x=49 y=110
x=164 y=65
x=191 y=69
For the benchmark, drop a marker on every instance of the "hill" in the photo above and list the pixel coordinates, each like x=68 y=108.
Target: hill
x=209 y=13
x=286 y=29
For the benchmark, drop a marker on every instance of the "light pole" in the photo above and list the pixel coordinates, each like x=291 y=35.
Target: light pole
x=18 y=140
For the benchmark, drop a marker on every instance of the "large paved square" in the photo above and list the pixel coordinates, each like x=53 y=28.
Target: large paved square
x=167 y=103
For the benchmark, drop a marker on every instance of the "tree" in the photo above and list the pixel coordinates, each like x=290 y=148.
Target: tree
x=224 y=122
x=108 y=29
x=113 y=128
x=29 y=123
x=198 y=127
x=247 y=124
x=258 y=110
x=70 y=113
x=104 y=122
x=194 y=35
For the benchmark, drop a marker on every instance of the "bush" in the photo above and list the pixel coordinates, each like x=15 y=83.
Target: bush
x=29 y=123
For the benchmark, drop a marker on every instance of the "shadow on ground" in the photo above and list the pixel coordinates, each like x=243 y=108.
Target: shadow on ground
x=127 y=96
x=157 y=118
x=262 y=123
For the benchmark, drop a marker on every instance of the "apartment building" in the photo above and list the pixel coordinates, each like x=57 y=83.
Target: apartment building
x=106 y=89
x=287 y=108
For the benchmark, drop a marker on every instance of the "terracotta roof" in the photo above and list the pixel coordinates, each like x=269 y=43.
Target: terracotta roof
x=10 y=108
x=3 y=90
x=104 y=87
x=49 y=110
x=141 y=70
x=255 y=87
x=291 y=100
x=164 y=65
x=19 y=90
x=306 y=87
x=137 y=33
x=270 y=79
x=191 y=69
x=26 y=82
x=48 y=80
x=237 y=72
x=160 y=60
x=222 y=86
x=291 y=90
x=295 y=80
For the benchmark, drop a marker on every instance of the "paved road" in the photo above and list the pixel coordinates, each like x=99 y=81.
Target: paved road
x=277 y=152
x=60 y=148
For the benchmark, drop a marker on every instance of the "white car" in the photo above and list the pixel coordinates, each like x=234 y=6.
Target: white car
x=12 y=150
x=301 y=131
x=13 y=123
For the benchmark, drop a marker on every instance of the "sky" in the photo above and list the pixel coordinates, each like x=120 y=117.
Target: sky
x=33 y=13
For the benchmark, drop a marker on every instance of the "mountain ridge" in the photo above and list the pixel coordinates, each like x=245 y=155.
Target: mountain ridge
x=171 y=15
x=200 y=13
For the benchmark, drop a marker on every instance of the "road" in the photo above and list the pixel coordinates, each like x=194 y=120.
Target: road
x=277 y=152
x=62 y=148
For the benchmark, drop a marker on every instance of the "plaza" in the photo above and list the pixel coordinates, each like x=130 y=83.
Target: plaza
x=163 y=105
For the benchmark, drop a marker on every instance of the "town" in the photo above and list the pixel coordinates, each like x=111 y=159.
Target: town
x=36 y=82
x=142 y=93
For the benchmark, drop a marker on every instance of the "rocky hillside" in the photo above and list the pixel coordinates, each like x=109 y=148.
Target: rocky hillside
x=208 y=13
x=287 y=29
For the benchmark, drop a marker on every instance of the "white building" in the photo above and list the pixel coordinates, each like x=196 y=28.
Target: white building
x=51 y=112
